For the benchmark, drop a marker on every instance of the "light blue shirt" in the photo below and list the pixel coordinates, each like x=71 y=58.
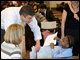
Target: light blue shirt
x=11 y=15
x=62 y=53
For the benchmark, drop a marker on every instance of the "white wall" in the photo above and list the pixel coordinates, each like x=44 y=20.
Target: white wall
x=53 y=4
x=47 y=3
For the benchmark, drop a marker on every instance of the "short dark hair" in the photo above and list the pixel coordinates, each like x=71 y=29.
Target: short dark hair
x=51 y=30
x=71 y=40
x=42 y=6
x=26 y=10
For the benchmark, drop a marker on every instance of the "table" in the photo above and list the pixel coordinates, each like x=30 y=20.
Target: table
x=73 y=57
x=27 y=56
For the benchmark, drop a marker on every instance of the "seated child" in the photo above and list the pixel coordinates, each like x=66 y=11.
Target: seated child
x=66 y=47
x=12 y=45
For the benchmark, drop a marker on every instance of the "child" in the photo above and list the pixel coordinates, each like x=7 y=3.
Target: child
x=66 y=44
x=11 y=47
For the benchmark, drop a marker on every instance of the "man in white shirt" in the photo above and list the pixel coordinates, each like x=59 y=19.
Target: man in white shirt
x=16 y=15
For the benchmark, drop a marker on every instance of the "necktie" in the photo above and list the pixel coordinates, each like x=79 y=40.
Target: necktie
x=22 y=23
x=23 y=46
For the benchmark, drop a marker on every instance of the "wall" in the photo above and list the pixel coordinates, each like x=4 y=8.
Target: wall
x=47 y=3
x=53 y=4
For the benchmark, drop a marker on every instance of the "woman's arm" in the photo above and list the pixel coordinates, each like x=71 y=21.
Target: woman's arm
x=64 y=15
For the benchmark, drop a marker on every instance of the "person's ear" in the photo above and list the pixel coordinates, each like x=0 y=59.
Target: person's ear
x=67 y=45
x=21 y=16
x=44 y=9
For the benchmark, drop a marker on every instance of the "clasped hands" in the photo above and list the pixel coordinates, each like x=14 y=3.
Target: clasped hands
x=52 y=44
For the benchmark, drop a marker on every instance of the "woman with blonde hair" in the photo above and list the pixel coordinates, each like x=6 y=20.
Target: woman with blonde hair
x=11 y=47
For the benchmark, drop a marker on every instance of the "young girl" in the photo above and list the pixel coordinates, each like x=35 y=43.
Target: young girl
x=66 y=44
x=11 y=47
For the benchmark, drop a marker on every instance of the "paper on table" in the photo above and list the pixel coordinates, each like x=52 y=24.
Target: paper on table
x=44 y=52
x=49 y=39
x=33 y=53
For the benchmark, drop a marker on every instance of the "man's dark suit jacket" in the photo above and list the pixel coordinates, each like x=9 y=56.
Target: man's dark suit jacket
x=50 y=16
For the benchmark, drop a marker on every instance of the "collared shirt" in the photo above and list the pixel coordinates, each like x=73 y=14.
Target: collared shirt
x=11 y=15
x=62 y=53
x=45 y=12
x=10 y=51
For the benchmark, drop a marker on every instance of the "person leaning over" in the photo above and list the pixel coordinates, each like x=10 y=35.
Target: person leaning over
x=11 y=47
x=16 y=15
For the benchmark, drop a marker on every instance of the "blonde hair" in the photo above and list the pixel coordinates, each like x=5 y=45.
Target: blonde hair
x=14 y=34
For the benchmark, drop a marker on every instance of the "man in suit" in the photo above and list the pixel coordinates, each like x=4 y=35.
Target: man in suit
x=47 y=13
x=49 y=16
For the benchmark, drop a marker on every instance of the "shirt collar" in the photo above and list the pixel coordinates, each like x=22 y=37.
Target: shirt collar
x=10 y=44
x=45 y=11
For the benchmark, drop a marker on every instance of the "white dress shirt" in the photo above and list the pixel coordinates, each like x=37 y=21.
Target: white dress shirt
x=11 y=15
x=45 y=12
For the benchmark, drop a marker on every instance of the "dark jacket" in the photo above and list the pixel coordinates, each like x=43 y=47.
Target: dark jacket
x=50 y=16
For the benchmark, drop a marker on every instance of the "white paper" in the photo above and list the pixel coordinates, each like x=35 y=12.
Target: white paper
x=33 y=53
x=49 y=39
x=45 y=52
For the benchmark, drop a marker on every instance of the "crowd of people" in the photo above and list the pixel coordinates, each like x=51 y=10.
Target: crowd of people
x=5 y=4
x=25 y=11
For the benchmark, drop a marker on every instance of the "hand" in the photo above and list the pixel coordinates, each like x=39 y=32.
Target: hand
x=37 y=46
x=76 y=17
x=56 y=38
x=52 y=45
x=62 y=37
